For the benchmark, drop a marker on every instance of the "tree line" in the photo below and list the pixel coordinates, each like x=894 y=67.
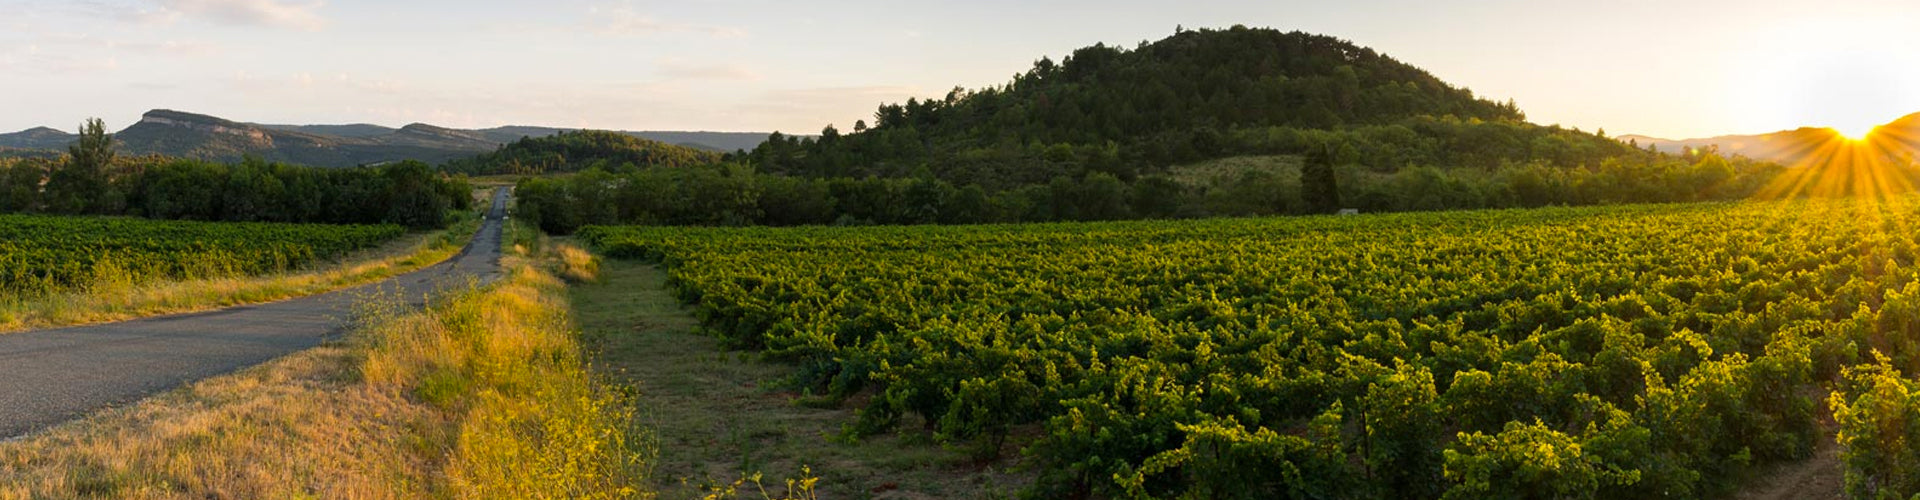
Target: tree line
x=577 y=150
x=93 y=179
x=735 y=194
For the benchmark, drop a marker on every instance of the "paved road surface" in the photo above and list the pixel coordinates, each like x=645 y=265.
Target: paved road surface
x=51 y=376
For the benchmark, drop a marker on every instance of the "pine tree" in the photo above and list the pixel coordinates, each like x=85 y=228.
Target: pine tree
x=80 y=186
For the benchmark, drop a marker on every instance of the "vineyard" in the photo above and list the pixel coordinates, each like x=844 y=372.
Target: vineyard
x=1618 y=352
x=41 y=254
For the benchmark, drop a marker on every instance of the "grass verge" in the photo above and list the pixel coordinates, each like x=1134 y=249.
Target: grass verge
x=718 y=420
x=482 y=395
x=123 y=298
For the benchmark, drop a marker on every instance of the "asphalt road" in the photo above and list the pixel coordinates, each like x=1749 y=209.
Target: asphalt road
x=51 y=376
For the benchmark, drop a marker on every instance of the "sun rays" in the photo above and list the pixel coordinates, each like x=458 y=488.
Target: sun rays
x=1855 y=133
x=1870 y=162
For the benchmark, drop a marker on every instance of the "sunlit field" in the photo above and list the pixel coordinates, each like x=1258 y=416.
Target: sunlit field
x=1622 y=351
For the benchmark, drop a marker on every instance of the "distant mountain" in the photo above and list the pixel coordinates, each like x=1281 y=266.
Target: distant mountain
x=1897 y=140
x=178 y=133
x=356 y=130
x=37 y=138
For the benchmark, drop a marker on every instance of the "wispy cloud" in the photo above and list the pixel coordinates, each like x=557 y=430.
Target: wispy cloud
x=169 y=47
x=155 y=86
x=677 y=69
x=290 y=14
x=98 y=50
x=294 y=85
x=624 y=20
x=38 y=59
x=62 y=53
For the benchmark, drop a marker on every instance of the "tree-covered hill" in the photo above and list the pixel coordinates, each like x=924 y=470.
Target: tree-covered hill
x=577 y=150
x=1206 y=123
x=1193 y=96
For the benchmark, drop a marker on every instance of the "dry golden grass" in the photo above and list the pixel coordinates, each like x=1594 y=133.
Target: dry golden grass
x=117 y=296
x=484 y=395
x=576 y=265
x=298 y=427
x=534 y=424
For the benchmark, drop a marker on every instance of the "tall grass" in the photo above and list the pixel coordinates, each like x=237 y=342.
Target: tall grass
x=533 y=423
x=482 y=395
x=577 y=265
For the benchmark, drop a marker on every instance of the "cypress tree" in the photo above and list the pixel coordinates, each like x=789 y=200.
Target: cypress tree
x=1318 y=187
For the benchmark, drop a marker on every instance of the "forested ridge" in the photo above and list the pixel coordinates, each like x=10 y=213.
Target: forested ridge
x=1181 y=99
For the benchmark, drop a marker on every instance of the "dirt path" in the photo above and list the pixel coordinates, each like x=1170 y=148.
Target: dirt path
x=1816 y=478
x=715 y=417
x=51 y=376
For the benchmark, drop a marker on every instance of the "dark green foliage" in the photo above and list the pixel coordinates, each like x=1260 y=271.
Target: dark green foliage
x=579 y=150
x=1194 y=96
x=1878 y=410
x=1319 y=189
x=20 y=183
x=416 y=196
x=408 y=193
x=80 y=186
x=733 y=194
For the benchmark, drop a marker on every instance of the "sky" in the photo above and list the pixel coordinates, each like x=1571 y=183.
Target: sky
x=1670 y=69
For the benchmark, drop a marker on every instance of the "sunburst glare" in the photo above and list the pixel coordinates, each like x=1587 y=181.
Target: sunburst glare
x=1867 y=161
x=1857 y=132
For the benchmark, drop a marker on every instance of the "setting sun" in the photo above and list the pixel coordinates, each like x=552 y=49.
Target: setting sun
x=1856 y=132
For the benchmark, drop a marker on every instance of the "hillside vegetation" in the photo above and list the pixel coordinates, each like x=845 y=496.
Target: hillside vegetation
x=577 y=150
x=1195 y=95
